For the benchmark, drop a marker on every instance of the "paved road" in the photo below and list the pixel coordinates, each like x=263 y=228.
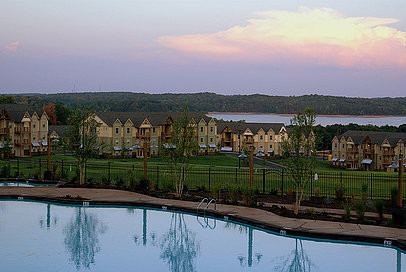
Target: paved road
x=259 y=161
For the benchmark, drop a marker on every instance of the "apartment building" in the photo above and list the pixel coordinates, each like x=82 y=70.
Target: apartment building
x=264 y=138
x=126 y=133
x=25 y=129
x=367 y=150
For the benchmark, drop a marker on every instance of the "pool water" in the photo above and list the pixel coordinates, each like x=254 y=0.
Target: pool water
x=21 y=184
x=37 y=236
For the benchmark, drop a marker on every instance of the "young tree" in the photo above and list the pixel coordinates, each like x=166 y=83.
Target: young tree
x=180 y=148
x=82 y=139
x=50 y=110
x=6 y=148
x=298 y=149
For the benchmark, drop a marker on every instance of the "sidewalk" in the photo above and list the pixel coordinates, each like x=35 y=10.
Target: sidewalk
x=253 y=216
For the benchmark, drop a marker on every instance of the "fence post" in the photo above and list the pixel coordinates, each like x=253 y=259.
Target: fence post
x=371 y=187
x=18 y=167
x=209 y=178
x=62 y=173
x=109 y=173
x=40 y=169
x=263 y=181
x=236 y=175
x=311 y=183
x=282 y=184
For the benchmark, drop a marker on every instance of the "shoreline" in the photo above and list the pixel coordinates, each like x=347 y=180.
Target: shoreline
x=292 y=114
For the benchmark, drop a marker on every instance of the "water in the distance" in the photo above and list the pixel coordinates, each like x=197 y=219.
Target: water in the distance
x=322 y=120
x=46 y=237
x=21 y=184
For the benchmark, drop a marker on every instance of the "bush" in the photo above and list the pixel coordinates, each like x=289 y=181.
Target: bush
x=340 y=192
x=250 y=198
x=347 y=210
x=5 y=171
x=379 y=206
x=235 y=194
x=394 y=196
x=360 y=208
x=132 y=180
x=317 y=192
x=364 y=190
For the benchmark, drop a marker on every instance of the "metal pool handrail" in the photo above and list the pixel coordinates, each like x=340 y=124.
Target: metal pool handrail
x=201 y=202
x=208 y=204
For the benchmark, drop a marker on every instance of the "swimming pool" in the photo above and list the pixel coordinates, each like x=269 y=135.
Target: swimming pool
x=37 y=236
x=22 y=184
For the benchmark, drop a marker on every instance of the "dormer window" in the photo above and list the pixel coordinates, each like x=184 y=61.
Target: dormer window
x=270 y=137
x=116 y=130
x=261 y=137
x=43 y=124
x=201 y=129
x=211 y=129
x=128 y=130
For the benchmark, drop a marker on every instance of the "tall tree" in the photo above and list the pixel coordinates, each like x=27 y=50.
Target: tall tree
x=298 y=148
x=62 y=114
x=50 y=110
x=82 y=139
x=180 y=148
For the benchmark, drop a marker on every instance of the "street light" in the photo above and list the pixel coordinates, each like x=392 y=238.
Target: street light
x=241 y=156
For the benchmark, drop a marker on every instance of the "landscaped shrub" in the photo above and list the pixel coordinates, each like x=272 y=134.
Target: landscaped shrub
x=340 y=192
x=132 y=180
x=235 y=194
x=360 y=208
x=364 y=190
x=317 y=192
x=394 y=196
x=347 y=210
x=5 y=171
x=250 y=198
x=379 y=207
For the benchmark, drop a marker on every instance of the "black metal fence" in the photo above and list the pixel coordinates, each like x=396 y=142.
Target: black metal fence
x=377 y=185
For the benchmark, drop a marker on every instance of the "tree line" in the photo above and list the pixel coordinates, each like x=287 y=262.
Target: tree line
x=206 y=102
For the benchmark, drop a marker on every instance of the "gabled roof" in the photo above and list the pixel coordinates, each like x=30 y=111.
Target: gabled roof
x=238 y=127
x=16 y=111
x=60 y=130
x=377 y=137
x=155 y=118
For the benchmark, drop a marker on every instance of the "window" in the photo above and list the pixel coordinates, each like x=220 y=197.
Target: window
x=201 y=140
x=33 y=138
x=43 y=124
x=116 y=130
x=128 y=142
x=270 y=146
x=260 y=146
x=153 y=130
x=261 y=137
x=343 y=145
x=380 y=157
x=211 y=129
x=270 y=137
x=335 y=145
x=201 y=129
x=211 y=140
x=116 y=142
x=128 y=130
x=34 y=124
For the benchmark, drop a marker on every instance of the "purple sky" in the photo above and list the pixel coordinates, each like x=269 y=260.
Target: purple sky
x=228 y=47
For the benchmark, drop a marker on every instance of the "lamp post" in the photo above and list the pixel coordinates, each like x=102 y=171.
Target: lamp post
x=400 y=180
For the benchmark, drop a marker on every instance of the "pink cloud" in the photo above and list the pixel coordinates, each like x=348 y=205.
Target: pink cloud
x=13 y=46
x=317 y=36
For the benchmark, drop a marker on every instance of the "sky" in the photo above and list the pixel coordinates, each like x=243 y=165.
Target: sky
x=293 y=47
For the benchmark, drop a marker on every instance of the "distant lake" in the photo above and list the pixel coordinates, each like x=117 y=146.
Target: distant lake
x=323 y=120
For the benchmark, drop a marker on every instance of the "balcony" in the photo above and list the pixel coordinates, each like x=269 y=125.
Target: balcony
x=144 y=135
x=368 y=151
x=4 y=130
x=22 y=130
x=386 y=162
x=248 y=140
x=388 y=153
x=352 y=159
x=352 y=150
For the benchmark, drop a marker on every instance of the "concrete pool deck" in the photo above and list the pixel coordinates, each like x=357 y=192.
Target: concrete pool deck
x=252 y=216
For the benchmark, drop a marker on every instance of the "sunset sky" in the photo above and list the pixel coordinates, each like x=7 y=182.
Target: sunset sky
x=346 y=48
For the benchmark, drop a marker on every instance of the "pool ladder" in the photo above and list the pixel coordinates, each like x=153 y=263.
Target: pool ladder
x=208 y=204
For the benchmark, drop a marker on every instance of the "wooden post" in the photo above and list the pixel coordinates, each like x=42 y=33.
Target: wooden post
x=251 y=168
x=145 y=158
x=400 y=182
x=48 y=155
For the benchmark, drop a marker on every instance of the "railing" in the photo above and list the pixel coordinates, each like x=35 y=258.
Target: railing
x=352 y=150
x=215 y=179
x=248 y=141
x=4 y=130
x=388 y=153
x=22 y=130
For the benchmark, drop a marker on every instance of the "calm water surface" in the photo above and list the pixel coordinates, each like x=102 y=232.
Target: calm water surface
x=322 y=120
x=38 y=236
x=21 y=184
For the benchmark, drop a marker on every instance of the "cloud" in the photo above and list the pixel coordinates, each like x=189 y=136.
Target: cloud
x=308 y=36
x=13 y=46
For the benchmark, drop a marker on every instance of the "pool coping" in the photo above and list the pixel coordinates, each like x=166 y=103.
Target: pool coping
x=238 y=214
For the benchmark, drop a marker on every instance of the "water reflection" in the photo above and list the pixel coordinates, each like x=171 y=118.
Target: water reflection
x=48 y=219
x=296 y=261
x=81 y=238
x=179 y=247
